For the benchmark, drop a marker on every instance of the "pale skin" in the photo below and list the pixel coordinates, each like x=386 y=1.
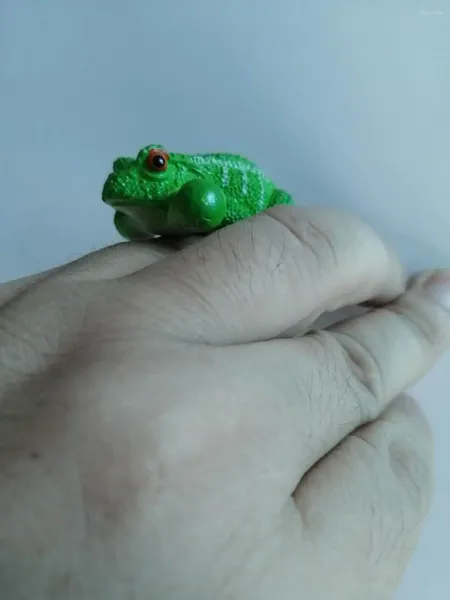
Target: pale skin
x=160 y=440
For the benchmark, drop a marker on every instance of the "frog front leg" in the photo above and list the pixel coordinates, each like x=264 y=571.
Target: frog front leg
x=198 y=207
x=128 y=229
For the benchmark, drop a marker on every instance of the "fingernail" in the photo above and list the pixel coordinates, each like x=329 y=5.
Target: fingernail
x=437 y=284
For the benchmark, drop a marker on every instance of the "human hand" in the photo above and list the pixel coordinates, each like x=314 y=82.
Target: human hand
x=158 y=441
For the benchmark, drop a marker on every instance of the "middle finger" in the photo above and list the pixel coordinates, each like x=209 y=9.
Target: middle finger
x=314 y=391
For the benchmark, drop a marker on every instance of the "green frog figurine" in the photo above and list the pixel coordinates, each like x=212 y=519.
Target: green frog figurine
x=158 y=193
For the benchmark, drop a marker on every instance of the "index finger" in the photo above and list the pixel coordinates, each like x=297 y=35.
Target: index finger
x=259 y=277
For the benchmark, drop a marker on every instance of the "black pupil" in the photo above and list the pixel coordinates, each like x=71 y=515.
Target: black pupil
x=158 y=161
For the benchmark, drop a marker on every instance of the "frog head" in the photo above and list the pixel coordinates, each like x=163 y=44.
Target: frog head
x=148 y=179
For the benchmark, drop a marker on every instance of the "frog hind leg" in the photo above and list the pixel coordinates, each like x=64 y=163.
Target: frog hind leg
x=280 y=197
x=127 y=228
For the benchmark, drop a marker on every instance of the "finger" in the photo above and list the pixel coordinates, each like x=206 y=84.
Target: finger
x=367 y=361
x=41 y=314
x=347 y=375
x=304 y=395
x=115 y=261
x=9 y=289
x=389 y=349
x=258 y=277
x=109 y=262
x=368 y=498
x=325 y=320
x=123 y=258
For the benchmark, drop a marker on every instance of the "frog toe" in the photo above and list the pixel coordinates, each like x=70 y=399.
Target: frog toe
x=280 y=197
x=127 y=228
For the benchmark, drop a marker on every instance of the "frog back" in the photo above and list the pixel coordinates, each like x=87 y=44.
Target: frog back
x=246 y=188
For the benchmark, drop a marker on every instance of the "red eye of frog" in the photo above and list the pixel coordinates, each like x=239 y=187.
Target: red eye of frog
x=157 y=160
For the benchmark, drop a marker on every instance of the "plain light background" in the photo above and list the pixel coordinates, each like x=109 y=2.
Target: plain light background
x=341 y=102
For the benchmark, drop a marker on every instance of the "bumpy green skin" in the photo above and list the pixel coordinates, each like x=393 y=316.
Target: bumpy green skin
x=196 y=194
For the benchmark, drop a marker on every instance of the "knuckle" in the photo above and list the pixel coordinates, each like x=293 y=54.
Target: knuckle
x=360 y=370
x=38 y=328
x=424 y=323
x=401 y=484
x=414 y=471
x=308 y=236
x=401 y=514
x=24 y=346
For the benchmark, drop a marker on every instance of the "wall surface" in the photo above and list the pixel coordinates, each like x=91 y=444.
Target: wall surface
x=343 y=102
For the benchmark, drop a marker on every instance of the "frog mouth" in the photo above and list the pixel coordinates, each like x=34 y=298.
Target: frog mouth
x=123 y=203
x=132 y=204
x=138 y=209
x=111 y=192
x=113 y=195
